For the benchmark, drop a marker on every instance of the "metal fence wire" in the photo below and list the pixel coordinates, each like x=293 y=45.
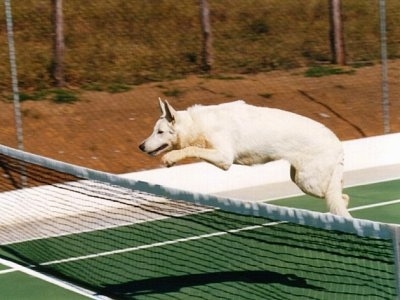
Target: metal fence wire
x=116 y=46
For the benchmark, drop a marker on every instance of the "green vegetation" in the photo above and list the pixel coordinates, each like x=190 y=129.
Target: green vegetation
x=113 y=45
x=35 y=95
x=118 y=88
x=173 y=93
x=266 y=95
x=223 y=77
x=319 y=71
x=64 y=96
x=55 y=95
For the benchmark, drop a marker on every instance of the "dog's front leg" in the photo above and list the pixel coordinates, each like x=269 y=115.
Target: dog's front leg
x=212 y=156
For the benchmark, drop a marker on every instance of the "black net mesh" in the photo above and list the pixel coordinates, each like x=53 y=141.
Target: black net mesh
x=129 y=244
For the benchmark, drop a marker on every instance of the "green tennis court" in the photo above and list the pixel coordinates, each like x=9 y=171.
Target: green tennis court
x=218 y=255
x=376 y=201
x=18 y=285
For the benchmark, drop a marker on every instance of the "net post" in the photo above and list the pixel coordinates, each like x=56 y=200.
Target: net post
x=396 y=246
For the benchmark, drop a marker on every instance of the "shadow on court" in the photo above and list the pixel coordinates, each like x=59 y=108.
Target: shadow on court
x=169 y=284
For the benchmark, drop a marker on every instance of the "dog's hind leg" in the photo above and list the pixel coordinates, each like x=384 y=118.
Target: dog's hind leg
x=337 y=202
x=323 y=183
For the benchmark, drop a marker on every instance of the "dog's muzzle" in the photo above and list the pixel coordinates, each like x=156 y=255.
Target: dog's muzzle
x=154 y=152
x=142 y=147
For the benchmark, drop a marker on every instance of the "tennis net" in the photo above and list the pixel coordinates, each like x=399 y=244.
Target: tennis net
x=127 y=239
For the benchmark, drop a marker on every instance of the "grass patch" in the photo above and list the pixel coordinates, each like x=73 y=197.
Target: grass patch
x=266 y=95
x=118 y=88
x=320 y=71
x=64 y=96
x=222 y=77
x=112 y=88
x=173 y=92
x=96 y=87
x=362 y=64
x=55 y=95
x=134 y=49
x=34 y=96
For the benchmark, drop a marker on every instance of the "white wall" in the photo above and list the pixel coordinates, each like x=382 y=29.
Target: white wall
x=372 y=152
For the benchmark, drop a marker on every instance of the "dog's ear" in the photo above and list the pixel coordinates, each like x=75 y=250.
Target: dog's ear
x=170 y=112
x=162 y=108
x=167 y=111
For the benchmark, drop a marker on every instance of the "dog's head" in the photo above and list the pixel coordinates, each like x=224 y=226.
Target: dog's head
x=164 y=136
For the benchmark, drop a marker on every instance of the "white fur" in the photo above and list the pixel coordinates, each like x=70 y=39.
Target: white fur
x=238 y=133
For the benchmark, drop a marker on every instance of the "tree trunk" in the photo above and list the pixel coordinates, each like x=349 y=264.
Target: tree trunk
x=58 y=44
x=336 y=32
x=206 y=52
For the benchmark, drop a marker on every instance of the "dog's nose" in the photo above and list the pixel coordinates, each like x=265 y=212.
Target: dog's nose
x=141 y=147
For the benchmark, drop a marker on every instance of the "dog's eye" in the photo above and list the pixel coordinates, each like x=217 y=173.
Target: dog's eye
x=160 y=132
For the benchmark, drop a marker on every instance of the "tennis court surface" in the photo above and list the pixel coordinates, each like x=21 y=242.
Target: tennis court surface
x=86 y=234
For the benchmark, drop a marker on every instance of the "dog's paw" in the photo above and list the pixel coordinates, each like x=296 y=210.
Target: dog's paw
x=169 y=159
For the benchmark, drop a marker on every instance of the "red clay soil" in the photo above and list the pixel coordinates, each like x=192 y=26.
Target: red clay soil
x=103 y=131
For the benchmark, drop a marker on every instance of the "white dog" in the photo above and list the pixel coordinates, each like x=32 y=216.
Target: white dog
x=238 y=133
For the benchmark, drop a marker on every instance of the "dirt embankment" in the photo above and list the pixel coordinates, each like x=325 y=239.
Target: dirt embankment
x=102 y=130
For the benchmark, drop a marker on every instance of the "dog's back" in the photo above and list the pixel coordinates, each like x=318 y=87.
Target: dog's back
x=261 y=134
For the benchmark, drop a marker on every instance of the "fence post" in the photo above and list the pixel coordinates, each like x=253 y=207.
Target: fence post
x=336 y=32
x=384 y=63
x=15 y=89
x=14 y=75
x=206 y=50
x=58 y=43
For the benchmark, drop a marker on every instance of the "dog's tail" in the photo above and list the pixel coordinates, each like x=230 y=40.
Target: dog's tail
x=337 y=201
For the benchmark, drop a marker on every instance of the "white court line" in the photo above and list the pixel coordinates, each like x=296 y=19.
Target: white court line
x=159 y=244
x=300 y=193
x=7 y=271
x=93 y=295
x=55 y=281
x=375 y=205
x=192 y=238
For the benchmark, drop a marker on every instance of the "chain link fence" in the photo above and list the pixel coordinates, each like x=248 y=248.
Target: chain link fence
x=120 y=56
